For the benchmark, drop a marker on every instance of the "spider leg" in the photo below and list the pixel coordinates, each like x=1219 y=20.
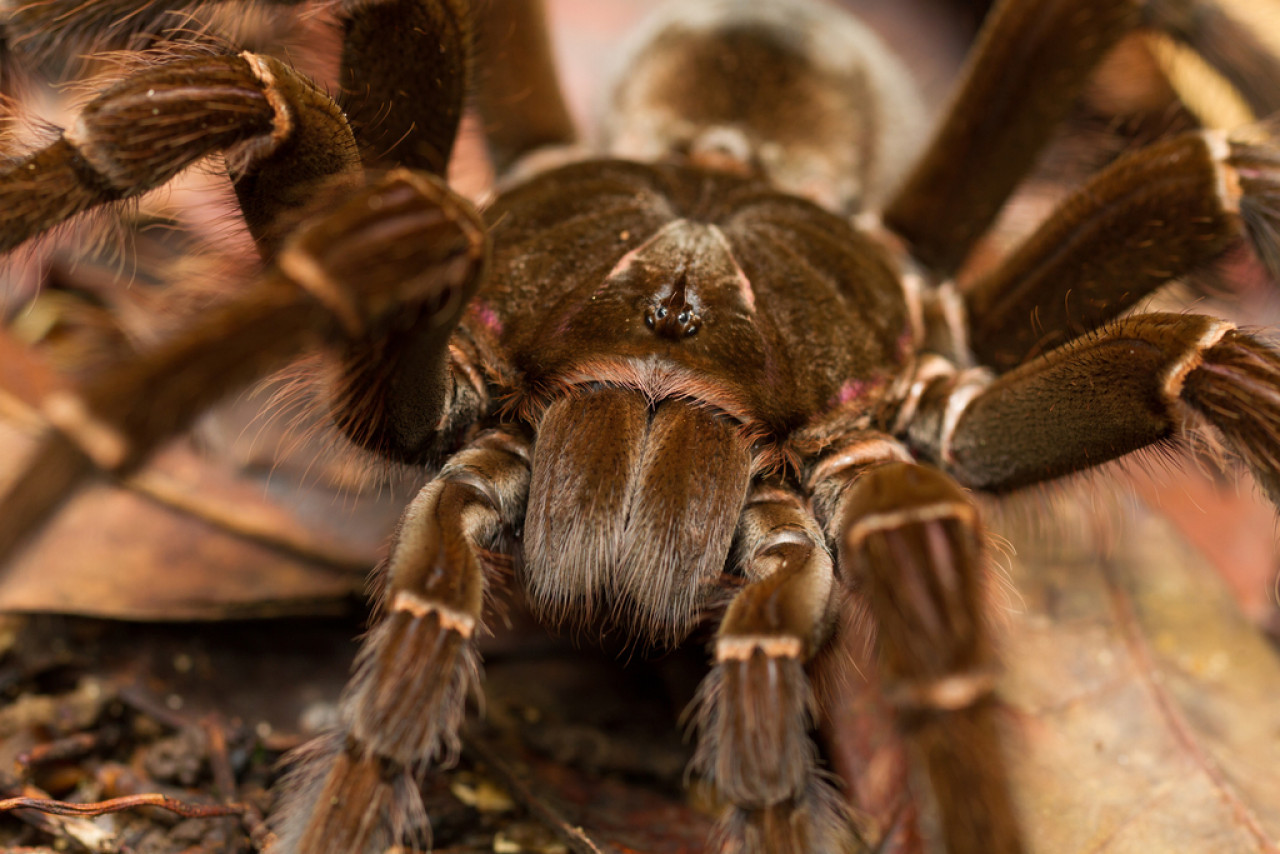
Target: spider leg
x=406 y=69
x=411 y=116
x=1032 y=58
x=910 y=543
x=284 y=134
x=520 y=95
x=401 y=711
x=67 y=30
x=397 y=380
x=1150 y=217
x=398 y=241
x=910 y=551
x=755 y=707
x=1139 y=381
x=1227 y=43
x=291 y=153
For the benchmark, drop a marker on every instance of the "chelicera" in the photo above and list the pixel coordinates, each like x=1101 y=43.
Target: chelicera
x=715 y=370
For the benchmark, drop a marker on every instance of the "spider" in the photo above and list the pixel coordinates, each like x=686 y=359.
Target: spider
x=715 y=370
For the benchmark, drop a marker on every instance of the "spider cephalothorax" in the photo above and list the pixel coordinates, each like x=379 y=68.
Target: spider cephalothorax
x=668 y=343
x=673 y=377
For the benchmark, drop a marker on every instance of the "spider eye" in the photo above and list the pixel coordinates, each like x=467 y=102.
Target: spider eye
x=662 y=312
x=683 y=317
x=648 y=320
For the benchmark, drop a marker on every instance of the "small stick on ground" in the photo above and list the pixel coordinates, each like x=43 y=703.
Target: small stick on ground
x=63 y=808
x=61 y=827
x=574 y=837
x=224 y=778
x=69 y=747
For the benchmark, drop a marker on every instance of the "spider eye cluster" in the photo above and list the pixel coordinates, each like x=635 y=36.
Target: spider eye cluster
x=671 y=323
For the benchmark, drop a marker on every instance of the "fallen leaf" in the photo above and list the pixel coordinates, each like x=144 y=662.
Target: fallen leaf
x=1144 y=709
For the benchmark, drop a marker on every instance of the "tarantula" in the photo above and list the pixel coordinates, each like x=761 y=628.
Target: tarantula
x=714 y=370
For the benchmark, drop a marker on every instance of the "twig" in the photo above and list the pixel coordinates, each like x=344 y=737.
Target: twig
x=62 y=828
x=138 y=699
x=219 y=761
x=53 y=751
x=52 y=807
x=224 y=778
x=63 y=748
x=575 y=837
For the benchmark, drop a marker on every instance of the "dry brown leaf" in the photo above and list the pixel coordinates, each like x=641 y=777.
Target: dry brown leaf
x=1144 y=709
x=189 y=538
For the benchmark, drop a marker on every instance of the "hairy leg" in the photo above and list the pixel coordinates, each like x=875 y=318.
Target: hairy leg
x=1152 y=216
x=366 y=254
x=406 y=70
x=1139 y=381
x=1032 y=58
x=283 y=137
x=520 y=95
x=1229 y=44
x=756 y=708
x=910 y=550
x=912 y=544
x=357 y=792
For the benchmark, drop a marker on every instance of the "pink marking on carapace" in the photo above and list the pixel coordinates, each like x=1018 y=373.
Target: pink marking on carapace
x=906 y=342
x=855 y=390
x=744 y=284
x=487 y=317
